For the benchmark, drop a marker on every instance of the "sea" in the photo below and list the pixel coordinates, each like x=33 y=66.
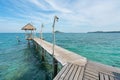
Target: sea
x=18 y=61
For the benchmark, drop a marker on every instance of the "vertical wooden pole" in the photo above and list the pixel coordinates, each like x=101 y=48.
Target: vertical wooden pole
x=31 y=36
x=28 y=43
x=18 y=40
x=41 y=31
x=54 y=60
x=55 y=67
x=33 y=43
x=43 y=52
x=36 y=46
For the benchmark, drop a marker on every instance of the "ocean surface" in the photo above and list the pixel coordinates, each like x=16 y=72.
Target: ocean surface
x=20 y=62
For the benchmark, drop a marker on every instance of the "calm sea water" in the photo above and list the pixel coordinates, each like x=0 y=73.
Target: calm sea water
x=99 y=47
x=18 y=62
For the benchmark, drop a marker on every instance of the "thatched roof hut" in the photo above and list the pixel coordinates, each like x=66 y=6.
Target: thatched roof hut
x=28 y=27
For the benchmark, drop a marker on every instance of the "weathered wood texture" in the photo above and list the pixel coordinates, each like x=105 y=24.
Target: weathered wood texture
x=62 y=55
x=70 y=72
x=77 y=67
x=77 y=72
x=98 y=71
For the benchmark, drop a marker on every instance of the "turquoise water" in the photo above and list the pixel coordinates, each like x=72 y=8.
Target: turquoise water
x=100 y=47
x=19 y=62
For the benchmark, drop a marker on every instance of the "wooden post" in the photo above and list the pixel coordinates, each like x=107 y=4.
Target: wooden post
x=18 y=40
x=55 y=69
x=36 y=46
x=54 y=60
x=33 y=43
x=41 y=31
x=43 y=52
x=29 y=43
x=31 y=35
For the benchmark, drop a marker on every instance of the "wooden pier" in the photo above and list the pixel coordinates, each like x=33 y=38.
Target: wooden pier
x=62 y=55
x=76 y=67
x=91 y=71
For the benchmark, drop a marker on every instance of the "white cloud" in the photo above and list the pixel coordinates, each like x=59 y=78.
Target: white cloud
x=37 y=3
x=77 y=13
x=57 y=7
x=94 y=13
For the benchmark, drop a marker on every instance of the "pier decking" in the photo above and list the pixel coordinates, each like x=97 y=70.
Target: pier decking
x=62 y=55
x=77 y=67
x=90 y=71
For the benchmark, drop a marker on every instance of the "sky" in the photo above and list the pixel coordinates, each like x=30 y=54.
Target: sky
x=75 y=16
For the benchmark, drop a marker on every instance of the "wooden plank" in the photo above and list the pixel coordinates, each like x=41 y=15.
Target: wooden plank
x=101 y=76
x=69 y=73
x=74 y=72
x=106 y=77
x=65 y=72
x=92 y=72
x=111 y=78
x=62 y=55
x=91 y=76
x=97 y=68
x=81 y=74
x=77 y=73
x=61 y=72
x=86 y=79
x=104 y=68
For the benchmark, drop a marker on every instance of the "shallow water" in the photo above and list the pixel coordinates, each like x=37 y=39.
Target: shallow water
x=19 y=62
x=100 y=47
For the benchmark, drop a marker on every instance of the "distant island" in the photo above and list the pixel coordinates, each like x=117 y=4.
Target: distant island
x=58 y=32
x=105 y=32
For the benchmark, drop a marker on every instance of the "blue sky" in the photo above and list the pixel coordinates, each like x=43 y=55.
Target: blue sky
x=74 y=15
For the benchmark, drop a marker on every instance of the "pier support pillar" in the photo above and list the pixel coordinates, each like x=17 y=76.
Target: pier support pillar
x=36 y=46
x=28 y=43
x=43 y=53
x=33 y=43
x=55 y=67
